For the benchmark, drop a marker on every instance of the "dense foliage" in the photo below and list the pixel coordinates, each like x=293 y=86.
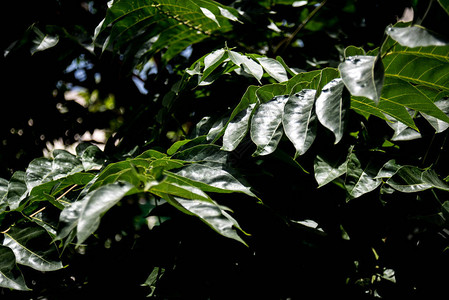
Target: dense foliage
x=256 y=149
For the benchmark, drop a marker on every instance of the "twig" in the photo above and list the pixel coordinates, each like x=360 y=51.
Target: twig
x=287 y=41
x=66 y=192
x=35 y=213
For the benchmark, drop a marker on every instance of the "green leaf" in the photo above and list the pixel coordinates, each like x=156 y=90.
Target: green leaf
x=85 y=214
x=266 y=125
x=10 y=275
x=42 y=170
x=146 y=28
x=308 y=77
x=3 y=193
x=267 y=92
x=216 y=177
x=403 y=132
x=359 y=180
x=237 y=128
x=437 y=124
x=445 y=5
x=210 y=213
x=248 y=65
x=388 y=169
x=353 y=51
x=326 y=76
x=328 y=169
x=415 y=36
x=332 y=107
x=273 y=68
x=33 y=248
x=411 y=179
x=43 y=41
x=17 y=189
x=91 y=156
x=211 y=62
x=299 y=120
x=363 y=76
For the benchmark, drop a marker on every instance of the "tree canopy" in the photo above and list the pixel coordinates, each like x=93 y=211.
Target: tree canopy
x=270 y=149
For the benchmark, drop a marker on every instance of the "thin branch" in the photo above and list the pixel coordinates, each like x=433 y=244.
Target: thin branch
x=287 y=41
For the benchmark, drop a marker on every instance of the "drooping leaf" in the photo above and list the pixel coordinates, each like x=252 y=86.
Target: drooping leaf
x=359 y=180
x=388 y=169
x=327 y=169
x=299 y=120
x=84 y=215
x=215 y=177
x=237 y=128
x=210 y=213
x=32 y=247
x=411 y=179
x=402 y=132
x=10 y=275
x=273 y=68
x=437 y=124
x=211 y=62
x=266 y=125
x=363 y=76
x=415 y=36
x=210 y=15
x=326 y=76
x=332 y=107
x=248 y=65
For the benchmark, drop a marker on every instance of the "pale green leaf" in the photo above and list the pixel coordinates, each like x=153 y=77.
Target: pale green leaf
x=248 y=65
x=328 y=169
x=210 y=15
x=359 y=180
x=17 y=189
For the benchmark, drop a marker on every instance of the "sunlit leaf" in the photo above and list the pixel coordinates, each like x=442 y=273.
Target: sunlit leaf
x=363 y=76
x=248 y=65
x=273 y=68
x=437 y=124
x=32 y=247
x=84 y=215
x=17 y=189
x=411 y=179
x=10 y=275
x=299 y=120
x=328 y=169
x=359 y=180
x=415 y=36
x=332 y=107
x=214 y=177
x=266 y=125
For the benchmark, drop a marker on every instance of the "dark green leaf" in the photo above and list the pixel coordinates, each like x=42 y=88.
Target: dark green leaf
x=85 y=214
x=266 y=125
x=445 y=5
x=268 y=92
x=437 y=124
x=415 y=36
x=32 y=247
x=17 y=189
x=363 y=76
x=10 y=275
x=332 y=107
x=299 y=120
x=410 y=179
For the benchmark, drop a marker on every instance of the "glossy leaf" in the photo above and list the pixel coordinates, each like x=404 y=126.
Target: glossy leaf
x=216 y=177
x=327 y=169
x=85 y=214
x=388 y=169
x=248 y=65
x=415 y=36
x=210 y=213
x=10 y=275
x=437 y=124
x=411 y=179
x=267 y=92
x=266 y=125
x=359 y=180
x=326 y=76
x=237 y=128
x=273 y=68
x=363 y=76
x=332 y=107
x=299 y=120
x=3 y=193
x=42 y=170
x=17 y=189
x=211 y=62
x=32 y=247
x=162 y=23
